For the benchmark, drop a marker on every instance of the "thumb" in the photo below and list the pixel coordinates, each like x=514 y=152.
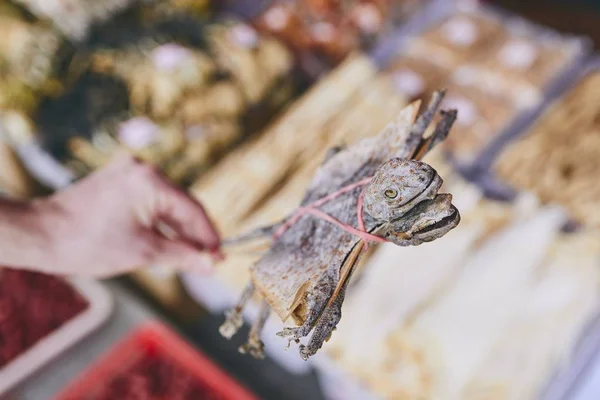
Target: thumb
x=186 y=216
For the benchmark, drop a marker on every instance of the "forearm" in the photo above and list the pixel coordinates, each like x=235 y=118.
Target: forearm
x=105 y=225
x=24 y=236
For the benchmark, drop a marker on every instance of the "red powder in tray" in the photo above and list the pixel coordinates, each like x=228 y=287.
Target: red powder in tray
x=156 y=378
x=32 y=305
x=154 y=363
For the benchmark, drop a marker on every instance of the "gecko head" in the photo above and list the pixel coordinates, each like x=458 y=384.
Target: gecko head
x=427 y=221
x=398 y=186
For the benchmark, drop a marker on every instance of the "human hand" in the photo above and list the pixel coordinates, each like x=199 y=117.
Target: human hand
x=123 y=217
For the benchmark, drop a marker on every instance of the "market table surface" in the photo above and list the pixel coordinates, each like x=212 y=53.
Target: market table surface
x=265 y=378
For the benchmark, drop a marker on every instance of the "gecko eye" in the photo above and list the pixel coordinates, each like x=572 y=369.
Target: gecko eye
x=391 y=193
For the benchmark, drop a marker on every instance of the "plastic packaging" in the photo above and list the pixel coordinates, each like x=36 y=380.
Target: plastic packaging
x=567 y=376
x=484 y=56
x=522 y=127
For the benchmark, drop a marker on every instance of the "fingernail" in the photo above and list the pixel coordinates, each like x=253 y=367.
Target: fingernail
x=217 y=255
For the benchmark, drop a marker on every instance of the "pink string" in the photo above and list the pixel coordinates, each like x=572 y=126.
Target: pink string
x=313 y=210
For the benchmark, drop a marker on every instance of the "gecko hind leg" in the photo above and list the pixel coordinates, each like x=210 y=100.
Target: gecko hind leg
x=332 y=152
x=424 y=120
x=441 y=131
x=325 y=326
x=233 y=317
x=254 y=346
x=316 y=304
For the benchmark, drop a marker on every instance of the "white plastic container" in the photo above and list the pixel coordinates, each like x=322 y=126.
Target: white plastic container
x=100 y=305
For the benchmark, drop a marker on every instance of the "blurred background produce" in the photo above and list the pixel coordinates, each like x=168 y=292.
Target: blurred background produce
x=238 y=101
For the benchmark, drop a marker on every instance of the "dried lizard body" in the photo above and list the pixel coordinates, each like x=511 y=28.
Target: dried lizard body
x=305 y=272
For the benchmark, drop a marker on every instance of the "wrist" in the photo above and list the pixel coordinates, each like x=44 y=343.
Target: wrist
x=43 y=215
x=48 y=222
x=26 y=235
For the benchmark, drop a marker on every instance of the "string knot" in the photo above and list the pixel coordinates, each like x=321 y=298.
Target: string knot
x=313 y=209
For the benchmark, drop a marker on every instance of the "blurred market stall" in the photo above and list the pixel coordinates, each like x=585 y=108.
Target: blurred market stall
x=238 y=102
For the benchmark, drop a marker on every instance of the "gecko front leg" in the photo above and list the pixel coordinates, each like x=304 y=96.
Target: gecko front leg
x=316 y=302
x=254 y=346
x=330 y=317
x=233 y=317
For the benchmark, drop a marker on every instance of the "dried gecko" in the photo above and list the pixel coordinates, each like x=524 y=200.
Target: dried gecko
x=306 y=270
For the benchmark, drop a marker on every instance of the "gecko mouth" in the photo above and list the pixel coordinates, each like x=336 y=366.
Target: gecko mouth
x=451 y=220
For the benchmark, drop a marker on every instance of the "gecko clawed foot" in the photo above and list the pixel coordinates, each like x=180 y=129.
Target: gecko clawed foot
x=255 y=347
x=289 y=342
x=233 y=322
x=305 y=352
x=293 y=334
x=233 y=318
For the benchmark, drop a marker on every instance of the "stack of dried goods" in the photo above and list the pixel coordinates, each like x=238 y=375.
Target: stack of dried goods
x=559 y=157
x=494 y=67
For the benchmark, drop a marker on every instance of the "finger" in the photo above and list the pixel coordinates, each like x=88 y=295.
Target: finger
x=183 y=256
x=164 y=229
x=186 y=217
x=122 y=160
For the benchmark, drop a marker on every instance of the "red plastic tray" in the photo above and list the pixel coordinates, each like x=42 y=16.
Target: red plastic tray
x=155 y=339
x=100 y=305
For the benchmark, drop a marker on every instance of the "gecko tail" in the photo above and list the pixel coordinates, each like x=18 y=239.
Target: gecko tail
x=263 y=232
